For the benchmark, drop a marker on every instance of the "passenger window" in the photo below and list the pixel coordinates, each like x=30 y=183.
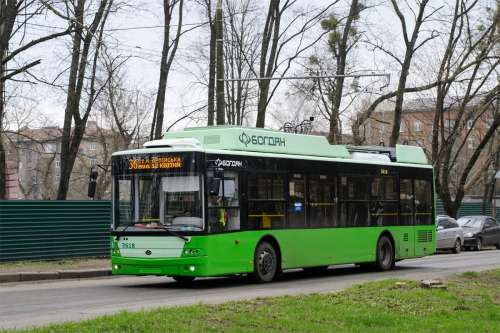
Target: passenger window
x=322 y=201
x=297 y=201
x=383 y=202
x=423 y=202
x=266 y=201
x=406 y=201
x=224 y=208
x=354 y=204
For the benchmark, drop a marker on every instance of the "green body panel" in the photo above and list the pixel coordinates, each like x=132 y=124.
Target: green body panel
x=231 y=253
x=410 y=154
x=261 y=140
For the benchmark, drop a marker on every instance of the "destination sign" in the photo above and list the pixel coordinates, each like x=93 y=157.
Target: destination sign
x=168 y=162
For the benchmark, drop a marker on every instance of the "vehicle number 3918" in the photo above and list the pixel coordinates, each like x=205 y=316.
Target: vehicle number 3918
x=127 y=245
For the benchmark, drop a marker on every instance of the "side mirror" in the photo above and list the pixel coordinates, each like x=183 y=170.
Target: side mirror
x=213 y=186
x=439 y=228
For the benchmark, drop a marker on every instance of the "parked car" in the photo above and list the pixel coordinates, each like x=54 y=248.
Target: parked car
x=449 y=234
x=480 y=231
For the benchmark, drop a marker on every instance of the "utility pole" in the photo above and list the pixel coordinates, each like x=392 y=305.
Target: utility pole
x=219 y=58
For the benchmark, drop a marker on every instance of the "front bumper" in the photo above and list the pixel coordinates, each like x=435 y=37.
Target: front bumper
x=187 y=266
x=470 y=242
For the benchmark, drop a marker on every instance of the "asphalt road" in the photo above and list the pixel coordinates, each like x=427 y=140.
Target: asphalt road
x=33 y=304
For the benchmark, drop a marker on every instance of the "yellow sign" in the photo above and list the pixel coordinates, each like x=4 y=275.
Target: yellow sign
x=384 y=172
x=169 y=162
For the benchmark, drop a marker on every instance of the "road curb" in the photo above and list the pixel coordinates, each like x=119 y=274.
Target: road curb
x=38 y=276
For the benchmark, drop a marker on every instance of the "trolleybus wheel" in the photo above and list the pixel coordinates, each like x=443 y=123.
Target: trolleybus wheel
x=183 y=279
x=265 y=262
x=385 y=254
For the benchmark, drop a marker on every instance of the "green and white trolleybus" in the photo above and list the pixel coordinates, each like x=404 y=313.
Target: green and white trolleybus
x=230 y=200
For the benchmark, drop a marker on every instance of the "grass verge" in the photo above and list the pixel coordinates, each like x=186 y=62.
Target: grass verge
x=471 y=303
x=54 y=265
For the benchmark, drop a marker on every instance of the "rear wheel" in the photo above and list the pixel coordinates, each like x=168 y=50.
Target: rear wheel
x=183 y=279
x=385 y=254
x=479 y=244
x=265 y=262
x=458 y=246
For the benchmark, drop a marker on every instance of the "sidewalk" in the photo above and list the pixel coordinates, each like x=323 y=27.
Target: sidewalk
x=51 y=270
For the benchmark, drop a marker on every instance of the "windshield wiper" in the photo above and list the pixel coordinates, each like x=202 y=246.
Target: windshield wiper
x=133 y=223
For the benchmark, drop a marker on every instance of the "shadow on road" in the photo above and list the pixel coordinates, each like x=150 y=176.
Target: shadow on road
x=288 y=276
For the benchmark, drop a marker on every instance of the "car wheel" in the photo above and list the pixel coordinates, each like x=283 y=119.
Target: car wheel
x=265 y=262
x=385 y=254
x=498 y=246
x=479 y=244
x=183 y=279
x=458 y=246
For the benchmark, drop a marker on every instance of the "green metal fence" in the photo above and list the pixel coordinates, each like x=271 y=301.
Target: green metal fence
x=38 y=230
x=469 y=208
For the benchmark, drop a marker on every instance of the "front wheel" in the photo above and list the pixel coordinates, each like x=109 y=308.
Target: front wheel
x=265 y=262
x=385 y=254
x=479 y=244
x=183 y=279
x=458 y=246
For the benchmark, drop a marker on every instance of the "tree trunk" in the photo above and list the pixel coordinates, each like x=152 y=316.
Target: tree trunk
x=70 y=141
x=221 y=107
x=211 y=75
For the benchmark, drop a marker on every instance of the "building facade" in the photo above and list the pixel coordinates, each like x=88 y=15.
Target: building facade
x=34 y=162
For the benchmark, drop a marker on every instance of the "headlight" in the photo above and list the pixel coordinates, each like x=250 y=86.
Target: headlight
x=469 y=234
x=192 y=252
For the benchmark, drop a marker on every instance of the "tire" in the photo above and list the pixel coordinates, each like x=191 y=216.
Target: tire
x=183 y=279
x=497 y=246
x=265 y=263
x=385 y=254
x=316 y=270
x=479 y=244
x=458 y=246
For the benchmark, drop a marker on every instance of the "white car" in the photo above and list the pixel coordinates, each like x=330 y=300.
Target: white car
x=449 y=234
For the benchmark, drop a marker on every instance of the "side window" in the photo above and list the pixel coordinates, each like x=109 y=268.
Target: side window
x=453 y=224
x=224 y=208
x=423 y=202
x=489 y=223
x=297 y=201
x=442 y=223
x=322 y=201
x=383 y=201
x=406 y=201
x=266 y=201
x=354 y=201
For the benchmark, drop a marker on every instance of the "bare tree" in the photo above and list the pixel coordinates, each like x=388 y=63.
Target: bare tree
x=85 y=39
x=170 y=45
x=241 y=44
x=276 y=38
x=14 y=17
x=469 y=65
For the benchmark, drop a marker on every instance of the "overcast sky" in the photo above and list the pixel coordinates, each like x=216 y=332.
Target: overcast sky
x=137 y=32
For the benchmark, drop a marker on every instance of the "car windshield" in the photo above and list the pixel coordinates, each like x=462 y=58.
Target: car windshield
x=470 y=222
x=159 y=201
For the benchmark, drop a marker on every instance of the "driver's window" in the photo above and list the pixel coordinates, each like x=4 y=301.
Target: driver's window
x=488 y=224
x=224 y=206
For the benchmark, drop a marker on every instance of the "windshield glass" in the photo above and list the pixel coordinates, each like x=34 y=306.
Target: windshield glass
x=170 y=201
x=470 y=222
